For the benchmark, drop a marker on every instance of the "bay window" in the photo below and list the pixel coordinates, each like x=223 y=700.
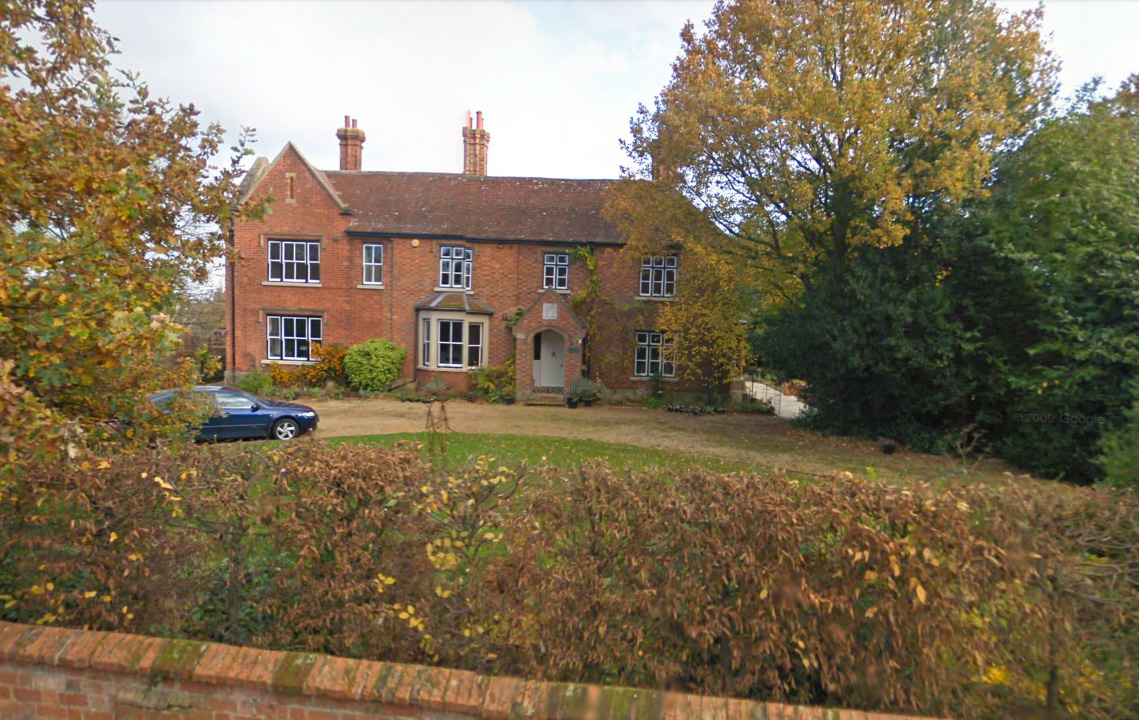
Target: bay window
x=452 y=341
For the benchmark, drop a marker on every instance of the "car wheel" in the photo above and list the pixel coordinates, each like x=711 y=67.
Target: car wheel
x=286 y=429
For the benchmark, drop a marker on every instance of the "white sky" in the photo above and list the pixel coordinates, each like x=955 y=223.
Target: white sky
x=557 y=81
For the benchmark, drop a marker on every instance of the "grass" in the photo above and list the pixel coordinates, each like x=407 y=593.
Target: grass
x=560 y=452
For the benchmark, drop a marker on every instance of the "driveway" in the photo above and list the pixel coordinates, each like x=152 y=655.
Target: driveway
x=761 y=440
x=629 y=425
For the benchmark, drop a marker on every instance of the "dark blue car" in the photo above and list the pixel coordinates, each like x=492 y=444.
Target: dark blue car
x=236 y=414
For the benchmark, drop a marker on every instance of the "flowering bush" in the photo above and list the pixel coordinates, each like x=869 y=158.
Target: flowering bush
x=329 y=367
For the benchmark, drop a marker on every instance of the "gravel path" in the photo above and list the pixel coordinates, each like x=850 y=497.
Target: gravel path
x=763 y=440
x=705 y=434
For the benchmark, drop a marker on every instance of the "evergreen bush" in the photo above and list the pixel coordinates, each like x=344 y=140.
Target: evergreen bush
x=374 y=365
x=256 y=382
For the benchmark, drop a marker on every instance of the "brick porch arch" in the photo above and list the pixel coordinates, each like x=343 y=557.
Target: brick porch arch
x=550 y=312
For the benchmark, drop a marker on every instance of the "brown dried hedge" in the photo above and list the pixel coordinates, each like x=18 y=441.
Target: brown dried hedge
x=971 y=600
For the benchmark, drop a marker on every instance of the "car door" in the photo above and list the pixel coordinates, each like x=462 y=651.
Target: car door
x=237 y=416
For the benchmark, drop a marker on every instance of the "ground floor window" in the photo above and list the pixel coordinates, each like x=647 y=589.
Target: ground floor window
x=654 y=355
x=474 y=345
x=450 y=343
x=453 y=342
x=292 y=337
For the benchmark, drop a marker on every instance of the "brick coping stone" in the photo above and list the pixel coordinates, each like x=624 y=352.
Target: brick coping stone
x=432 y=688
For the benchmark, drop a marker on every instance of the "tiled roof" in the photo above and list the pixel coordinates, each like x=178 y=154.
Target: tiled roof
x=454 y=301
x=480 y=208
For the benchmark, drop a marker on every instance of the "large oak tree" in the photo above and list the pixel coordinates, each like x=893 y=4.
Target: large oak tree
x=805 y=128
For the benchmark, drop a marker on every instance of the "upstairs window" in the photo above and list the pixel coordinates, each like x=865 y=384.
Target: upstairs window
x=373 y=264
x=294 y=261
x=555 y=271
x=654 y=355
x=292 y=337
x=658 y=276
x=455 y=267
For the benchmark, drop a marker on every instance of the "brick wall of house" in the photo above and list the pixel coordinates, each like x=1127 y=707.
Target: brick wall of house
x=311 y=214
x=612 y=341
x=507 y=276
x=63 y=674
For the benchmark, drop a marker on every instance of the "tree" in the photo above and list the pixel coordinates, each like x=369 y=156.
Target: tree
x=201 y=311
x=916 y=342
x=1066 y=203
x=1019 y=316
x=806 y=128
x=1120 y=459
x=706 y=321
x=108 y=202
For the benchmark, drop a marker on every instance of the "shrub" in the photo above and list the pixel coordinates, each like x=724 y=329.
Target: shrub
x=841 y=592
x=256 y=382
x=1120 y=459
x=328 y=367
x=496 y=382
x=374 y=365
x=582 y=388
x=751 y=405
x=975 y=600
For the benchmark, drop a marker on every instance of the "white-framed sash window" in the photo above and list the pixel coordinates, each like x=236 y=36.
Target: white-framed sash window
x=294 y=261
x=291 y=337
x=373 y=264
x=654 y=354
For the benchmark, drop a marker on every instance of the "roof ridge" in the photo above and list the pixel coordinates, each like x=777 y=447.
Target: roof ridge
x=465 y=176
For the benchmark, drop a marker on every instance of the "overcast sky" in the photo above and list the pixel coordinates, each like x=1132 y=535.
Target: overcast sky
x=557 y=81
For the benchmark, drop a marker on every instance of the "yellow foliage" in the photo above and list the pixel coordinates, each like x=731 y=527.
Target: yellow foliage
x=804 y=129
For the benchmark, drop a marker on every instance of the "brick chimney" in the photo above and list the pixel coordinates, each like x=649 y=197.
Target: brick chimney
x=475 y=142
x=351 y=145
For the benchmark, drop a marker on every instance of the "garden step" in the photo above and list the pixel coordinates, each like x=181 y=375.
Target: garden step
x=550 y=399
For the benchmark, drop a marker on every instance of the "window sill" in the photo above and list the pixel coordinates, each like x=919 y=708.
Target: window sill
x=656 y=298
x=445 y=369
x=454 y=290
x=288 y=362
x=559 y=292
x=279 y=283
x=648 y=378
x=370 y=286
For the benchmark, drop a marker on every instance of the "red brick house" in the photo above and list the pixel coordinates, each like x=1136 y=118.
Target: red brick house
x=463 y=270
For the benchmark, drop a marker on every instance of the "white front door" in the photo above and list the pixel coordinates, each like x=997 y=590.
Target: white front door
x=549 y=359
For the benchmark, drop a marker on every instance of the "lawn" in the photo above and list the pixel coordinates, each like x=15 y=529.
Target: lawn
x=556 y=451
x=634 y=437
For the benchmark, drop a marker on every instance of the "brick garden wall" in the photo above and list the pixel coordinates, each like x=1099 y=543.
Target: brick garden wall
x=58 y=673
